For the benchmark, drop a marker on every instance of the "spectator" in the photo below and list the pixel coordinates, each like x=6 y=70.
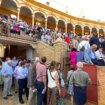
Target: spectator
x=72 y=56
x=69 y=85
x=90 y=56
x=7 y=73
x=103 y=46
x=31 y=82
x=16 y=76
x=84 y=43
x=80 y=79
x=41 y=73
x=22 y=74
x=99 y=54
x=80 y=55
x=95 y=40
x=53 y=84
x=75 y=42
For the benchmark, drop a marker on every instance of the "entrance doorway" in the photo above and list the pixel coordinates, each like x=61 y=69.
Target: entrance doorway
x=22 y=52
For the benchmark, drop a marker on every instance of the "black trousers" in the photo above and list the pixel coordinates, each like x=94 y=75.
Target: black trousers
x=23 y=85
x=99 y=62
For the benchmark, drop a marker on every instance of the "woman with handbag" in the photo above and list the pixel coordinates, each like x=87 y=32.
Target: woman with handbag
x=62 y=85
x=53 y=84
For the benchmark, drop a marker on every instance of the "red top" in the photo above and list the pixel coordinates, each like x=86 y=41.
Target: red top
x=67 y=39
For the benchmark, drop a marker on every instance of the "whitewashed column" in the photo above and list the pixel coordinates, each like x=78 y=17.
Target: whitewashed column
x=45 y=23
x=18 y=13
x=33 y=19
x=65 y=27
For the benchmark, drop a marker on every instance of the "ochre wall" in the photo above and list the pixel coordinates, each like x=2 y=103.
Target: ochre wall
x=55 y=52
x=101 y=87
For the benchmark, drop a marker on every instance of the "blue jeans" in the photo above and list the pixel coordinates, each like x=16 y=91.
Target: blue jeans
x=80 y=95
x=40 y=96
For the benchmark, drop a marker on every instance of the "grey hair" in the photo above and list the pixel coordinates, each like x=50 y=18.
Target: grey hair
x=79 y=65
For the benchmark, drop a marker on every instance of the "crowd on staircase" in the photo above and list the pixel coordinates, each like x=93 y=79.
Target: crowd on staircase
x=41 y=80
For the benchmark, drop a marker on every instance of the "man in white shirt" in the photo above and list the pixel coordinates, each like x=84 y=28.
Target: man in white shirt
x=43 y=37
x=99 y=53
x=7 y=73
x=84 y=43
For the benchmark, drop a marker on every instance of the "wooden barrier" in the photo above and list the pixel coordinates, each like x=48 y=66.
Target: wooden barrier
x=96 y=91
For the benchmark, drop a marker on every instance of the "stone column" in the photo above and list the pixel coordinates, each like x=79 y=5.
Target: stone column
x=82 y=30
x=0 y=2
x=33 y=19
x=56 y=25
x=74 y=30
x=18 y=13
x=45 y=23
x=65 y=27
x=59 y=49
x=90 y=31
x=98 y=32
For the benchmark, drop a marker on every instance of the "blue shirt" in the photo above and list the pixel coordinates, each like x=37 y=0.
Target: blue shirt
x=22 y=73
x=7 y=69
x=80 y=56
x=93 y=55
x=14 y=63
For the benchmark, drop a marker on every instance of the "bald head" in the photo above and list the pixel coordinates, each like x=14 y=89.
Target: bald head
x=94 y=47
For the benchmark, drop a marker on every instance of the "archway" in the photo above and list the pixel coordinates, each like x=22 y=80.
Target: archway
x=26 y=14
x=69 y=27
x=94 y=31
x=61 y=25
x=8 y=7
x=86 y=30
x=40 y=18
x=101 y=32
x=51 y=23
x=78 y=30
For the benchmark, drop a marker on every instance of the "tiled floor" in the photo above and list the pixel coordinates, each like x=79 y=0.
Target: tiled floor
x=14 y=100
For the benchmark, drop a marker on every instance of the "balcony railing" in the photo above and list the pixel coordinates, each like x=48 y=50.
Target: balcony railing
x=22 y=35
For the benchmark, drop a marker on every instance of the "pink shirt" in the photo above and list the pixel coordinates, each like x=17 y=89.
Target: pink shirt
x=73 y=57
x=40 y=71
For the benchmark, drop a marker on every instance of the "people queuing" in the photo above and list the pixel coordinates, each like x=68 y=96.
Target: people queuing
x=37 y=79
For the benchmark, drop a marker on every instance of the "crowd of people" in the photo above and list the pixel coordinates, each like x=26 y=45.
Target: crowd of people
x=43 y=83
x=9 y=24
x=88 y=50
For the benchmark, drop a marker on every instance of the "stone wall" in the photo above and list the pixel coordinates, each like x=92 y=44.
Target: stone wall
x=55 y=52
x=101 y=86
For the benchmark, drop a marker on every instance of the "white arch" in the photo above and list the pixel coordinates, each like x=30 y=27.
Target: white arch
x=17 y=4
x=41 y=13
x=52 y=17
x=14 y=1
x=78 y=25
x=62 y=21
x=23 y=5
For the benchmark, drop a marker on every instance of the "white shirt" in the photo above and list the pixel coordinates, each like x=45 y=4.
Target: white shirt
x=43 y=38
x=22 y=73
x=85 y=44
x=99 y=55
x=51 y=81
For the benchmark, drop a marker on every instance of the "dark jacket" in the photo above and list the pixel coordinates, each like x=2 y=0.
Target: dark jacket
x=31 y=76
x=95 y=40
